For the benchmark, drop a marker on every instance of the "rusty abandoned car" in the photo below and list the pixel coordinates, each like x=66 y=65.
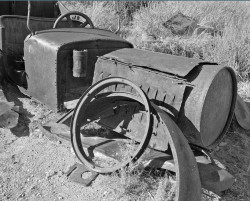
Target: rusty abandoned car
x=172 y=108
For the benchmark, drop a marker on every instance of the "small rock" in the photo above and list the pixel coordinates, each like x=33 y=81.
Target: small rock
x=59 y=142
x=72 y=151
x=29 y=189
x=105 y=193
x=10 y=141
x=22 y=195
x=38 y=195
x=40 y=135
x=36 y=133
x=180 y=24
x=60 y=173
x=50 y=174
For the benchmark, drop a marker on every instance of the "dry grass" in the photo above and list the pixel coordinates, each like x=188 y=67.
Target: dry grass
x=232 y=18
x=136 y=183
x=142 y=25
x=244 y=90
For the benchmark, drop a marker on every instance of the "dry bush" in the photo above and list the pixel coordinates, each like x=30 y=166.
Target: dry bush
x=134 y=183
x=141 y=23
x=105 y=14
x=232 y=18
x=102 y=13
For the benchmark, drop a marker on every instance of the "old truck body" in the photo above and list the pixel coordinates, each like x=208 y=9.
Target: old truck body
x=170 y=105
x=52 y=50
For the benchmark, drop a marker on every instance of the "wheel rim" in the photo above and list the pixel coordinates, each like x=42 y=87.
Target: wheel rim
x=80 y=114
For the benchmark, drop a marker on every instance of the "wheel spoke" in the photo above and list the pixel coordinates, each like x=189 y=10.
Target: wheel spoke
x=76 y=16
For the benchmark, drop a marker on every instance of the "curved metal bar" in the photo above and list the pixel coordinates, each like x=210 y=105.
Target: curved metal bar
x=242 y=113
x=187 y=174
x=80 y=114
x=88 y=20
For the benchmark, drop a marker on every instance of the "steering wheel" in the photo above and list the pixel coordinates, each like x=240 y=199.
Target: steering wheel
x=67 y=15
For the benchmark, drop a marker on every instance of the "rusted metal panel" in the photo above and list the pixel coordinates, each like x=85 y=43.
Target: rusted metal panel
x=167 y=91
x=41 y=69
x=52 y=80
x=165 y=63
x=215 y=179
x=75 y=173
x=67 y=37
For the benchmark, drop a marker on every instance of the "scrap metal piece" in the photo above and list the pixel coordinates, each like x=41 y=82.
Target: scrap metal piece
x=242 y=113
x=75 y=174
x=56 y=131
x=214 y=178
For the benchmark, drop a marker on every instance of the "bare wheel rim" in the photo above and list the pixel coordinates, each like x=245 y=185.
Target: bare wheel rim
x=80 y=109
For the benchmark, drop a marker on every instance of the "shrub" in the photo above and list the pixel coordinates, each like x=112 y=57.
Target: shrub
x=232 y=18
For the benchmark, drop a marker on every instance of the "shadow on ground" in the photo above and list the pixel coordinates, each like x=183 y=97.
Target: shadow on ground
x=12 y=94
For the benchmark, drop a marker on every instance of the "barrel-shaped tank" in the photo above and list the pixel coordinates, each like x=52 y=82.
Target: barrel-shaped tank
x=199 y=95
x=208 y=107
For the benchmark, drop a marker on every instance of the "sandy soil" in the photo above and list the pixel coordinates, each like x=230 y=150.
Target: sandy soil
x=33 y=168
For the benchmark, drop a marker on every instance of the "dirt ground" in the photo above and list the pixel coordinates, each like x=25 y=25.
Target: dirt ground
x=33 y=168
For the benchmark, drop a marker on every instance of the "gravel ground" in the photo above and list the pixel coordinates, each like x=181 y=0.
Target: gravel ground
x=33 y=168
